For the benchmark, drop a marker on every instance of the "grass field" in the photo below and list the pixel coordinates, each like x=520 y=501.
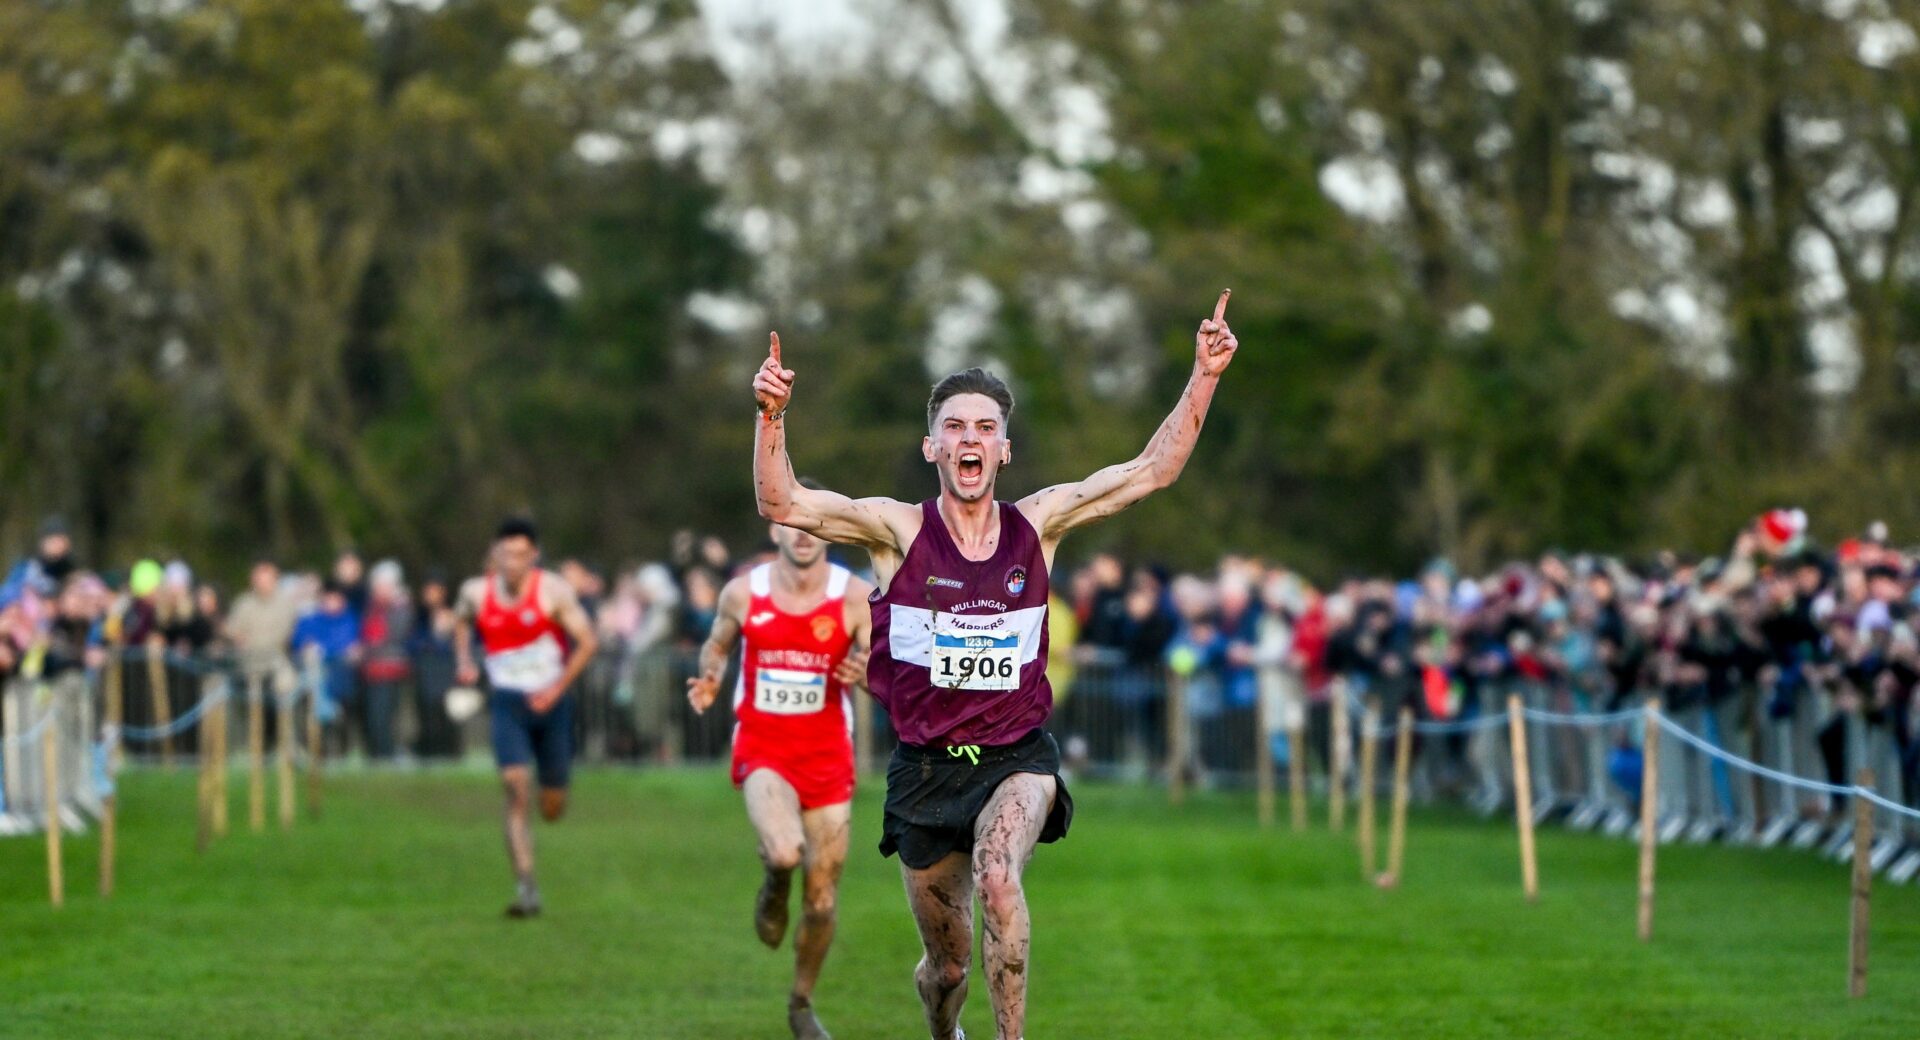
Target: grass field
x=383 y=919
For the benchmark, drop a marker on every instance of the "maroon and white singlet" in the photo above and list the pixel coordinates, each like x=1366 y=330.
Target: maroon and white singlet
x=959 y=646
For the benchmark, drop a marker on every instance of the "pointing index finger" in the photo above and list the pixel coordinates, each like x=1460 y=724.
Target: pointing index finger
x=773 y=344
x=1219 y=309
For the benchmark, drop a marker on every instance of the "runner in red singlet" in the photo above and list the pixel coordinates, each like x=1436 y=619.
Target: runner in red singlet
x=806 y=628
x=527 y=618
x=959 y=654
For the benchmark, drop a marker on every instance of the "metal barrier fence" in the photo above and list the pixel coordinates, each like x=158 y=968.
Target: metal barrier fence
x=1113 y=719
x=48 y=721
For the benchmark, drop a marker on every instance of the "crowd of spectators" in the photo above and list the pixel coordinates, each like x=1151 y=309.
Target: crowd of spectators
x=1778 y=628
x=379 y=645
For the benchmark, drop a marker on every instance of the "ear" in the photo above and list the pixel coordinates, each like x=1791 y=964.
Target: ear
x=926 y=448
x=1006 y=453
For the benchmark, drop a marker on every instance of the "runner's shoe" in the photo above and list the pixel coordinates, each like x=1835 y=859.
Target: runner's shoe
x=770 y=909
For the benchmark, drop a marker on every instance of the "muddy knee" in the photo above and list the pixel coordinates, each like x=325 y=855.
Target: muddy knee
x=1000 y=889
x=517 y=797
x=945 y=975
x=782 y=856
x=820 y=908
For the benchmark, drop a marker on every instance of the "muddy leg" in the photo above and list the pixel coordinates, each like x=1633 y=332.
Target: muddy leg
x=941 y=898
x=1004 y=838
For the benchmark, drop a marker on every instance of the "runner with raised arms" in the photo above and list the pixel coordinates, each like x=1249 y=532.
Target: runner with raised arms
x=959 y=654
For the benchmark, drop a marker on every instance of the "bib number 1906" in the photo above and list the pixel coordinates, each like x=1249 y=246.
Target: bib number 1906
x=962 y=669
x=984 y=661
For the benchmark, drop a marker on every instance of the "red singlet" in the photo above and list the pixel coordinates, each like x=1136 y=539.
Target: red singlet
x=526 y=649
x=792 y=716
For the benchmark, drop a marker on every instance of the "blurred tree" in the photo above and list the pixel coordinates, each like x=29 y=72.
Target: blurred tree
x=1508 y=274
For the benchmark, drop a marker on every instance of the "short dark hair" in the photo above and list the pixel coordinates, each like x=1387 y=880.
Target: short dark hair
x=517 y=527
x=972 y=381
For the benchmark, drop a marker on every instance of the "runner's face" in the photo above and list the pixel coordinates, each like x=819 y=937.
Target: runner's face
x=968 y=445
x=514 y=558
x=797 y=548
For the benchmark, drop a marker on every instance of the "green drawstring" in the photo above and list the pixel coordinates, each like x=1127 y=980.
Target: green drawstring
x=972 y=751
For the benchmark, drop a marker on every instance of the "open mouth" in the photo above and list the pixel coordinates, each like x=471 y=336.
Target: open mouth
x=971 y=467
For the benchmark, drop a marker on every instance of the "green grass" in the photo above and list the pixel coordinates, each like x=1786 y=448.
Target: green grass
x=383 y=920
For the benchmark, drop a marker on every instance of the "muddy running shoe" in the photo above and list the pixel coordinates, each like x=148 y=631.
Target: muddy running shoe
x=770 y=910
x=801 y=1020
x=526 y=902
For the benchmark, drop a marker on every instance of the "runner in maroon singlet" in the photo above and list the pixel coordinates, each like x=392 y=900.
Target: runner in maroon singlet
x=959 y=654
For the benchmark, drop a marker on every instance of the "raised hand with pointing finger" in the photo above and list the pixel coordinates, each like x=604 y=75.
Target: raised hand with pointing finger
x=773 y=384
x=1213 y=345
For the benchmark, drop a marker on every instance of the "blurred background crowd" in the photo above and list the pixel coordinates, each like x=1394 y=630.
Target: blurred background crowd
x=1784 y=650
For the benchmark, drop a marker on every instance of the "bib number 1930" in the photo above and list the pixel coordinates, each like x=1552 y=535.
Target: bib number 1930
x=781 y=691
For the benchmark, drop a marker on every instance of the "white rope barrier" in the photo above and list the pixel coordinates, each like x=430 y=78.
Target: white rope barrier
x=32 y=735
x=1708 y=748
x=1580 y=720
x=178 y=725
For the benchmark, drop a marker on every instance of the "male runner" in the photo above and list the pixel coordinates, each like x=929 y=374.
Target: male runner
x=960 y=654
x=807 y=629
x=527 y=617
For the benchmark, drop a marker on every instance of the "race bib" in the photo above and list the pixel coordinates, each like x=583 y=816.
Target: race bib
x=984 y=659
x=784 y=691
x=528 y=668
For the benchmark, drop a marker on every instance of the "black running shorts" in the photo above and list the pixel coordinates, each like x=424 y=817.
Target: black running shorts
x=935 y=795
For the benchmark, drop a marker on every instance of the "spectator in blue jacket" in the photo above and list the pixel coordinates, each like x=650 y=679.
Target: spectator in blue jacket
x=335 y=631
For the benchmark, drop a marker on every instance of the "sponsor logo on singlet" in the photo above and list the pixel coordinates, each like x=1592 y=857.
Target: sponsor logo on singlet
x=945 y=583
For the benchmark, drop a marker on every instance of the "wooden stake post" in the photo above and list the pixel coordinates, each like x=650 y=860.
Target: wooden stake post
x=1649 y=815
x=1297 y=776
x=1369 y=759
x=203 y=796
x=157 y=696
x=106 y=846
x=283 y=737
x=1177 y=738
x=1337 y=759
x=116 y=696
x=1523 y=798
x=1262 y=760
x=1402 y=764
x=315 y=748
x=214 y=731
x=50 y=757
x=256 y=756
x=1862 y=888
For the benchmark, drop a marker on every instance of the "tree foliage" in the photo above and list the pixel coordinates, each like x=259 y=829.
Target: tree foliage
x=1594 y=273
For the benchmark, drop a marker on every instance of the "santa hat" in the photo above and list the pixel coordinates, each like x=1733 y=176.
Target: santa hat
x=1783 y=526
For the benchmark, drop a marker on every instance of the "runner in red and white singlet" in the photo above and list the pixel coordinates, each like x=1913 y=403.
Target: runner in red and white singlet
x=805 y=627
x=959 y=655
x=792 y=713
x=536 y=639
